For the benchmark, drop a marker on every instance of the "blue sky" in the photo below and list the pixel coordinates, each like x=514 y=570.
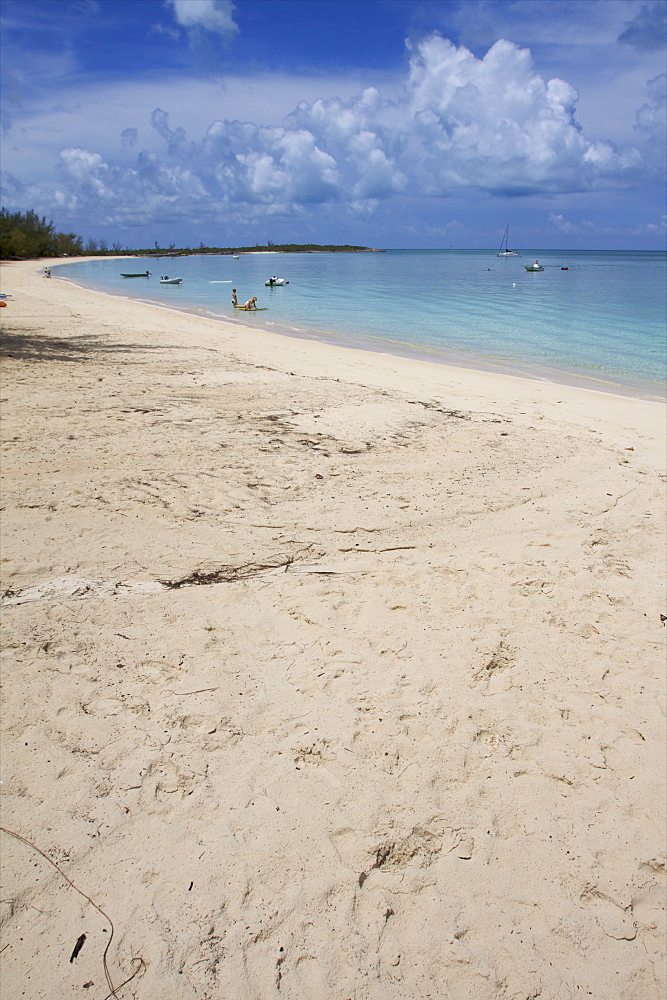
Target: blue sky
x=378 y=122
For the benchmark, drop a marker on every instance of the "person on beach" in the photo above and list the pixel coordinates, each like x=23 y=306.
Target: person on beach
x=47 y=272
x=235 y=301
x=251 y=303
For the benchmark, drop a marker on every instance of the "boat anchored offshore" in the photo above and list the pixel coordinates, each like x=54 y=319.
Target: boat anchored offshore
x=141 y=274
x=171 y=281
x=534 y=267
x=504 y=250
x=276 y=281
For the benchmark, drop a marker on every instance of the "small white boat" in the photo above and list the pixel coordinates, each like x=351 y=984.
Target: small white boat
x=272 y=282
x=504 y=250
x=171 y=281
x=534 y=267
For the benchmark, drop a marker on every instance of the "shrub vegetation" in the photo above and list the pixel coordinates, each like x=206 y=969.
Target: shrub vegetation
x=24 y=234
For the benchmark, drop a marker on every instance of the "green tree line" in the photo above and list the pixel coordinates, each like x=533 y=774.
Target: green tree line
x=24 y=234
x=276 y=247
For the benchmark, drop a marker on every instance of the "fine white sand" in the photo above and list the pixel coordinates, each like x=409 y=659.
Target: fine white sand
x=327 y=674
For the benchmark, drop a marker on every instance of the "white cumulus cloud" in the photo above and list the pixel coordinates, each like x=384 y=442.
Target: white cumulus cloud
x=457 y=124
x=561 y=223
x=651 y=124
x=216 y=16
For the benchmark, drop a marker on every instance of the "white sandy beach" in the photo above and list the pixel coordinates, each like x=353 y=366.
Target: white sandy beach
x=327 y=675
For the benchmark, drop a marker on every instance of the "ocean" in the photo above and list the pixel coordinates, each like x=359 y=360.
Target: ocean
x=594 y=318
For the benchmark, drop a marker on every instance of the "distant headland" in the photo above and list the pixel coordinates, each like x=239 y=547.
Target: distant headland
x=24 y=235
x=269 y=248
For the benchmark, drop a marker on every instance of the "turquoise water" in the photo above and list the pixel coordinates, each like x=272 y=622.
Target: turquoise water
x=600 y=322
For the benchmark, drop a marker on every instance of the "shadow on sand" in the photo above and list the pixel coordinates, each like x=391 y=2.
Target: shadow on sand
x=26 y=346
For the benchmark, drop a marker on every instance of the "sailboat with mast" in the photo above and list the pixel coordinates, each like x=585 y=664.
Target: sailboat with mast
x=504 y=250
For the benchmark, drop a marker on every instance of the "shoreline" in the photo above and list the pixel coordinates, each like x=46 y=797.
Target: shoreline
x=350 y=666
x=486 y=363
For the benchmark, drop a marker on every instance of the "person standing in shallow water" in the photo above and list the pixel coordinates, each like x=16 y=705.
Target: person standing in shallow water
x=235 y=301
